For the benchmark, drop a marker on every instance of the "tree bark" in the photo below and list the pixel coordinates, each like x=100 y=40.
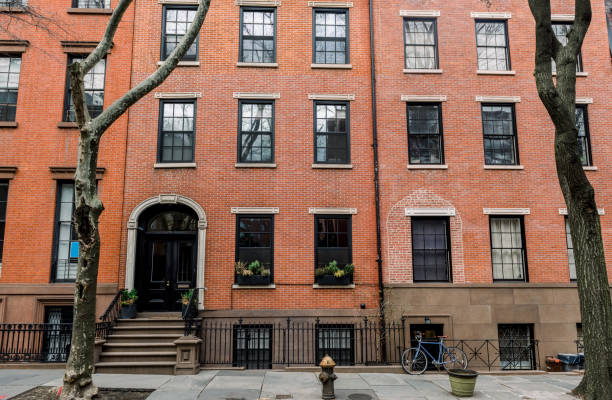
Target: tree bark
x=78 y=382
x=579 y=195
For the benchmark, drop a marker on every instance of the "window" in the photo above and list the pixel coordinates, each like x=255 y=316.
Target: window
x=176 y=22
x=425 y=133
x=561 y=30
x=255 y=240
x=508 y=249
x=337 y=341
x=10 y=67
x=421 y=43
x=58 y=333
x=516 y=346
x=570 y=251
x=256 y=136
x=332 y=133
x=258 y=35
x=333 y=240
x=91 y=3
x=253 y=346
x=584 y=137
x=13 y=3
x=177 y=131
x=3 y=201
x=94 y=90
x=492 y=46
x=431 y=254
x=66 y=247
x=331 y=36
x=499 y=127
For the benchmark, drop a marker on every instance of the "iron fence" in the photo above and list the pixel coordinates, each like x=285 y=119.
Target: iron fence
x=35 y=342
x=367 y=342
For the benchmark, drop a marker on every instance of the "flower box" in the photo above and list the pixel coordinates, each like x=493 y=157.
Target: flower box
x=253 y=280
x=330 y=280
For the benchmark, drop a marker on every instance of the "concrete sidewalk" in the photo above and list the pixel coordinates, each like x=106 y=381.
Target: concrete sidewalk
x=273 y=385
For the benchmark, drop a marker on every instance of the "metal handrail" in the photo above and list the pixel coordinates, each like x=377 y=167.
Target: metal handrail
x=109 y=318
x=190 y=313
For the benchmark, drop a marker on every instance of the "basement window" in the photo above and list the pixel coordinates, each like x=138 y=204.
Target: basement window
x=91 y=3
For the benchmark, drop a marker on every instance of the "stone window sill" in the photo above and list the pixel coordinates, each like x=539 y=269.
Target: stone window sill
x=422 y=71
x=332 y=166
x=427 y=166
x=91 y=11
x=256 y=65
x=246 y=165
x=317 y=286
x=504 y=167
x=13 y=9
x=238 y=287
x=590 y=168
x=174 y=165
x=485 y=72
x=331 y=66
x=8 y=124
x=67 y=125
x=182 y=64
x=578 y=74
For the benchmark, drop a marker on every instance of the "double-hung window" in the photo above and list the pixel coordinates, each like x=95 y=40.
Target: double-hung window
x=256 y=136
x=177 y=131
x=431 y=252
x=499 y=129
x=561 y=30
x=66 y=243
x=570 y=251
x=584 y=138
x=94 y=90
x=255 y=241
x=425 y=144
x=10 y=67
x=258 y=35
x=91 y=3
x=333 y=240
x=420 y=43
x=332 y=142
x=176 y=22
x=492 y=45
x=508 y=249
x=3 y=201
x=331 y=36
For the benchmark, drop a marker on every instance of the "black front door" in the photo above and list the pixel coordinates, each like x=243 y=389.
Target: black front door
x=170 y=271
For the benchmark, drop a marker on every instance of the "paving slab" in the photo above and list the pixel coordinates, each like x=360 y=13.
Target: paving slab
x=350 y=381
x=296 y=384
x=228 y=394
x=397 y=392
x=238 y=383
x=122 y=381
x=8 y=392
x=356 y=395
x=383 y=379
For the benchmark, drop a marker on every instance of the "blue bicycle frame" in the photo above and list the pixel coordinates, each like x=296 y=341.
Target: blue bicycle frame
x=442 y=349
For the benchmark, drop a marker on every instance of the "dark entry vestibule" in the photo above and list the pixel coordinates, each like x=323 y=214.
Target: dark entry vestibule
x=166 y=256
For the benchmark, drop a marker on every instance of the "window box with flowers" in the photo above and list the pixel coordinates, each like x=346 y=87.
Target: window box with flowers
x=253 y=274
x=334 y=275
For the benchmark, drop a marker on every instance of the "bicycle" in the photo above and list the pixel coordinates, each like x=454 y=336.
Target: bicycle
x=414 y=359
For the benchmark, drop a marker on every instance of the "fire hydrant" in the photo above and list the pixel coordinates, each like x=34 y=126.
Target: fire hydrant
x=327 y=378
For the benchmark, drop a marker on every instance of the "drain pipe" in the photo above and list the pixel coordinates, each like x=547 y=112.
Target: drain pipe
x=381 y=287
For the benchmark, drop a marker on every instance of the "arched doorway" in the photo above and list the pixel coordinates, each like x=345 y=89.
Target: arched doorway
x=167 y=256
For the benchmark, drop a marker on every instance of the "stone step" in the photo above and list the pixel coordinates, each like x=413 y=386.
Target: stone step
x=160 y=315
x=152 y=367
x=143 y=338
x=138 y=356
x=148 y=329
x=150 y=321
x=137 y=347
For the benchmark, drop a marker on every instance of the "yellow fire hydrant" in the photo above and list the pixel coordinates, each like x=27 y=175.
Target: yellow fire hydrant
x=327 y=378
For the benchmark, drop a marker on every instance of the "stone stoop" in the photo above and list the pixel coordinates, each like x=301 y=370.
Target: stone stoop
x=143 y=345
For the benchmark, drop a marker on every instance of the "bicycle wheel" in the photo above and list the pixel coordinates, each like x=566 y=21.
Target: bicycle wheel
x=454 y=358
x=414 y=361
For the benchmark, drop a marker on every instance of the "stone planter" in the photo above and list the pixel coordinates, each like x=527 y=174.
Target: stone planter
x=330 y=280
x=462 y=381
x=253 y=280
x=128 y=311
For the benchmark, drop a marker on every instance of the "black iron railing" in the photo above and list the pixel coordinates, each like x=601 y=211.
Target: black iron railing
x=190 y=315
x=35 y=342
x=109 y=318
x=580 y=345
x=300 y=343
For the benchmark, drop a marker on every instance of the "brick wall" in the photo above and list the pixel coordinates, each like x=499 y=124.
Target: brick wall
x=466 y=185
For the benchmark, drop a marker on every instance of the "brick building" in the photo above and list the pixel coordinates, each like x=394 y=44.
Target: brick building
x=38 y=153
x=258 y=151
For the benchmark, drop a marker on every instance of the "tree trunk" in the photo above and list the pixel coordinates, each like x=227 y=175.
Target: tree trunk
x=579 y=195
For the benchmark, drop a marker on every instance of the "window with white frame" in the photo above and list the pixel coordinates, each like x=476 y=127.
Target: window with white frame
x=508 y=248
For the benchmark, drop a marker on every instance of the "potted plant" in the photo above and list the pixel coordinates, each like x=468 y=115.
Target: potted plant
x=253 y=274
x=462 y=381
x=128 y=303
x=333 y=274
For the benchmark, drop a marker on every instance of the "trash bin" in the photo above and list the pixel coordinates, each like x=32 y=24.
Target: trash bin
x=553 y=364
x=571 y=362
